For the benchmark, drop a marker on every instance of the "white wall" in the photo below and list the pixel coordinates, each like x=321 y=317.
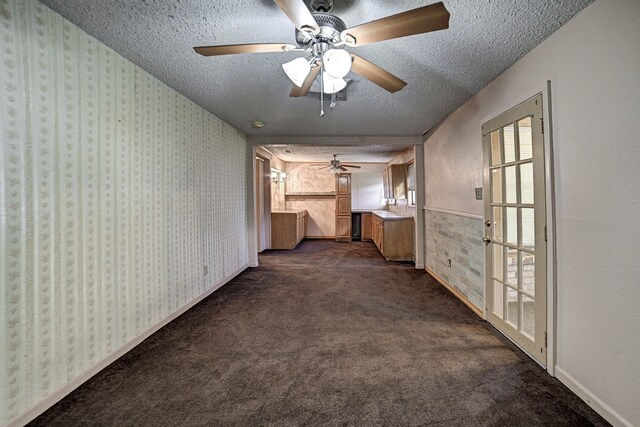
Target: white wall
x=366 y=191
x=594 y=64
x=115 y=192
x=366 y=187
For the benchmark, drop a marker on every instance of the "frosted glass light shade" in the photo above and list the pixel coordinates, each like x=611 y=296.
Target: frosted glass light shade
x=333 y=85
x=297 y=70
x=337 y=62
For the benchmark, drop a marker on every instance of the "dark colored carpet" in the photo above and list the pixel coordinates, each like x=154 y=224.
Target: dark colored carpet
x=327 y=334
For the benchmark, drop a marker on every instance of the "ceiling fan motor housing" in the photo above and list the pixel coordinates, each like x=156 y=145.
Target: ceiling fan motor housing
x=321 y=5
x=330 y=29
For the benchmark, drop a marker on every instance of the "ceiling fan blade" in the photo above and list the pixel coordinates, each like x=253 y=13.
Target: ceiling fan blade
x=304 y=90
x=377 y=75
x=342 y=168
x=231 y=49
x=298 y=13
x=350 y=166
x=416 y=21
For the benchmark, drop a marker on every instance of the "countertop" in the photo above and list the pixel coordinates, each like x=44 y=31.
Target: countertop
x=290 y=211
x=389 y=215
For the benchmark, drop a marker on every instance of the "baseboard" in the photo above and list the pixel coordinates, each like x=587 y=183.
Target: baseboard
x=57 y=394
x=455 y=292
x=598 y=405
x=320 y=237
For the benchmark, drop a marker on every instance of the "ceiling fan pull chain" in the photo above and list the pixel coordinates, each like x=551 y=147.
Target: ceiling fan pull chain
x=321 y=90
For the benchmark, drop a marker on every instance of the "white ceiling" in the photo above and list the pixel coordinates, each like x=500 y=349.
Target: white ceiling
x=443 y=69
x=353 y=153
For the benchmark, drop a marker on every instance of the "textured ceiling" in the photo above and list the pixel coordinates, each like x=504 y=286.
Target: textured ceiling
x=443 y=69
x=359 y=153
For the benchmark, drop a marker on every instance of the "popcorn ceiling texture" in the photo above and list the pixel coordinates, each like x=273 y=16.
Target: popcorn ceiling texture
x=116 y=192
x=382 y=153
x=443 y=69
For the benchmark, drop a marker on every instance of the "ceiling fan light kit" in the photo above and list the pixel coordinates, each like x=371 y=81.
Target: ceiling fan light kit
x=297 y=70
x=323 y=37
x=332 y=84
x=337 y=63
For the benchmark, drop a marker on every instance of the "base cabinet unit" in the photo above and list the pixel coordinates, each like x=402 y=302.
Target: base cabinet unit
x=366 y=226
x=393 y=236
x=288 y=228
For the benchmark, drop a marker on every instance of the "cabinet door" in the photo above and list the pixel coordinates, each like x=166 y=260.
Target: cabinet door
x=343 y=205
x=399 y=181
x=366 y=226
x=300 y=229
x=386 y=183
x=343 y=184
x=343 y=227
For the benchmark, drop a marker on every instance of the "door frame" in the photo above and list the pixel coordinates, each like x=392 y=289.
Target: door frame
x=550 y=208
x=265 y=206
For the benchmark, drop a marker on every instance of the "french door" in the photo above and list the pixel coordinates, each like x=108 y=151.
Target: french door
x=515 y=227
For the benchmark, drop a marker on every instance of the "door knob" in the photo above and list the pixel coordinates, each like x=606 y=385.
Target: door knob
x=486 y=240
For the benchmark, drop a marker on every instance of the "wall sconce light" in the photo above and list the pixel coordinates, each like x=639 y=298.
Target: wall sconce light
x=277 y=176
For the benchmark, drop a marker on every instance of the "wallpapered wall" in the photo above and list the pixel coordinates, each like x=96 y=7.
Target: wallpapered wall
x=115 y=194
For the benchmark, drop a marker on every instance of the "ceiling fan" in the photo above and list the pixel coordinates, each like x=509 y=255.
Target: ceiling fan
x=323 y=37
x=335 y=165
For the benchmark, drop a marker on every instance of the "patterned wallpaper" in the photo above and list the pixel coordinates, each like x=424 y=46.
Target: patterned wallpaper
x=115 y=194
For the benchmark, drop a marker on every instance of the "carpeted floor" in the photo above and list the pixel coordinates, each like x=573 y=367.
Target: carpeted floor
x=327 y=334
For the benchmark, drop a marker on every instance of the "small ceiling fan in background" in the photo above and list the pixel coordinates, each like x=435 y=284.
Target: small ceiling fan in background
x=323 y=37
x=335 y=165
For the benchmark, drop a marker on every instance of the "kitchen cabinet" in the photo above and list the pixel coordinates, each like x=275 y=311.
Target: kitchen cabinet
x=366 y=220
x=394 y=180
x=288 y=228
x=343 y=204
x=343 y=184
x=393 y=235
x=343 y=228
x=343 y=207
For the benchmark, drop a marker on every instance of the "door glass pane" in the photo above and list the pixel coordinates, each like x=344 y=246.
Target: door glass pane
x=524 y=133
x=528 y=316
x=511 y=316
x=512 y=266
x=510 y=183
x=497 y=224
x=498 y=261
x=512 y=225
x=528 y=228
x=496 y=185
x=496 y=154
x=526 y=183
x=528 y=267
x=497 y=298
x=509 y=144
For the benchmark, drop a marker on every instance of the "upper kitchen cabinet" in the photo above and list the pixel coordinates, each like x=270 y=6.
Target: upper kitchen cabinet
x=343 y=184
x=395 y=182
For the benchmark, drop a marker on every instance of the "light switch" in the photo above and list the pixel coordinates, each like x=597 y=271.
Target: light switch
x=479 y=193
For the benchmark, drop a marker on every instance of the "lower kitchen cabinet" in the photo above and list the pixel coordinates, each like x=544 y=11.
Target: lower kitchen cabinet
x=393 y=236
x=288 y=228
x=366 y=220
